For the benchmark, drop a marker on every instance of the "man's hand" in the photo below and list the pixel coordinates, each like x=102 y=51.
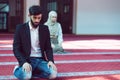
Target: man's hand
x=52 y=65
x=27 y=67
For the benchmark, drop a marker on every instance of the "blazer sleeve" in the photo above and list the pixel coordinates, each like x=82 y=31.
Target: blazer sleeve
x=49 y=52
x=17 y=46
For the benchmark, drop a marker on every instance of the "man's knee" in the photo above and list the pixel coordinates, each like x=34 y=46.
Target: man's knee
x=20 y=74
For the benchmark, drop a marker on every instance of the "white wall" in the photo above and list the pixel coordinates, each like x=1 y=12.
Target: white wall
x=97 y=17
x=27 y=4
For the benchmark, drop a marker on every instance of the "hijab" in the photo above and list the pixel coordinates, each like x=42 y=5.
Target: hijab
x=53 y=26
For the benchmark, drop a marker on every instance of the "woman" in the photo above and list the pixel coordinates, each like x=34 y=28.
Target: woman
x=55 y=32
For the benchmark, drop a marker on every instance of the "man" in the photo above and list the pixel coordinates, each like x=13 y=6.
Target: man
x=32 y=48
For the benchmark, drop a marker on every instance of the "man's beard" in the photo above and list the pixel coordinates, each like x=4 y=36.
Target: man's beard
x=34 y=25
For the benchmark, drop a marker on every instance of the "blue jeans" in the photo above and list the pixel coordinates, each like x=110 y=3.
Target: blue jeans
x=39 y=69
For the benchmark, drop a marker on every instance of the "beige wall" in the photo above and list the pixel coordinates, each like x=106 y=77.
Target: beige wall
x=27 y=4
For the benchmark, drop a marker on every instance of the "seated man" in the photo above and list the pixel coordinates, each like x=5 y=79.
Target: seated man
x=32 y=48
x=56 y=35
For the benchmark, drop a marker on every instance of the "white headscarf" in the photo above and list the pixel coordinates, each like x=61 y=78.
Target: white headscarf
x=49 y=21
x=53 y=26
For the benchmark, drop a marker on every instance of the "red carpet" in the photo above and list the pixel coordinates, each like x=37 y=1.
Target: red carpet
x=87 y=58
x=71 y=57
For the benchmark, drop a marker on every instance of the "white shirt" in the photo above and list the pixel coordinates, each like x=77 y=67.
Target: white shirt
x=35 y=48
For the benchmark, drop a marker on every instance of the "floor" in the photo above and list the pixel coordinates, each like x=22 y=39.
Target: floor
x=86 y=58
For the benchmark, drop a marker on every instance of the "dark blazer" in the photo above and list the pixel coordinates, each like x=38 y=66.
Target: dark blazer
x=22 y=43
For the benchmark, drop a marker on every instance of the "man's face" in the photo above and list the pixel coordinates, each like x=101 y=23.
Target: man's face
x=35 y=20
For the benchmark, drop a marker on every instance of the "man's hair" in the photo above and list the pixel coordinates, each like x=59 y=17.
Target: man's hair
x=35 y=10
